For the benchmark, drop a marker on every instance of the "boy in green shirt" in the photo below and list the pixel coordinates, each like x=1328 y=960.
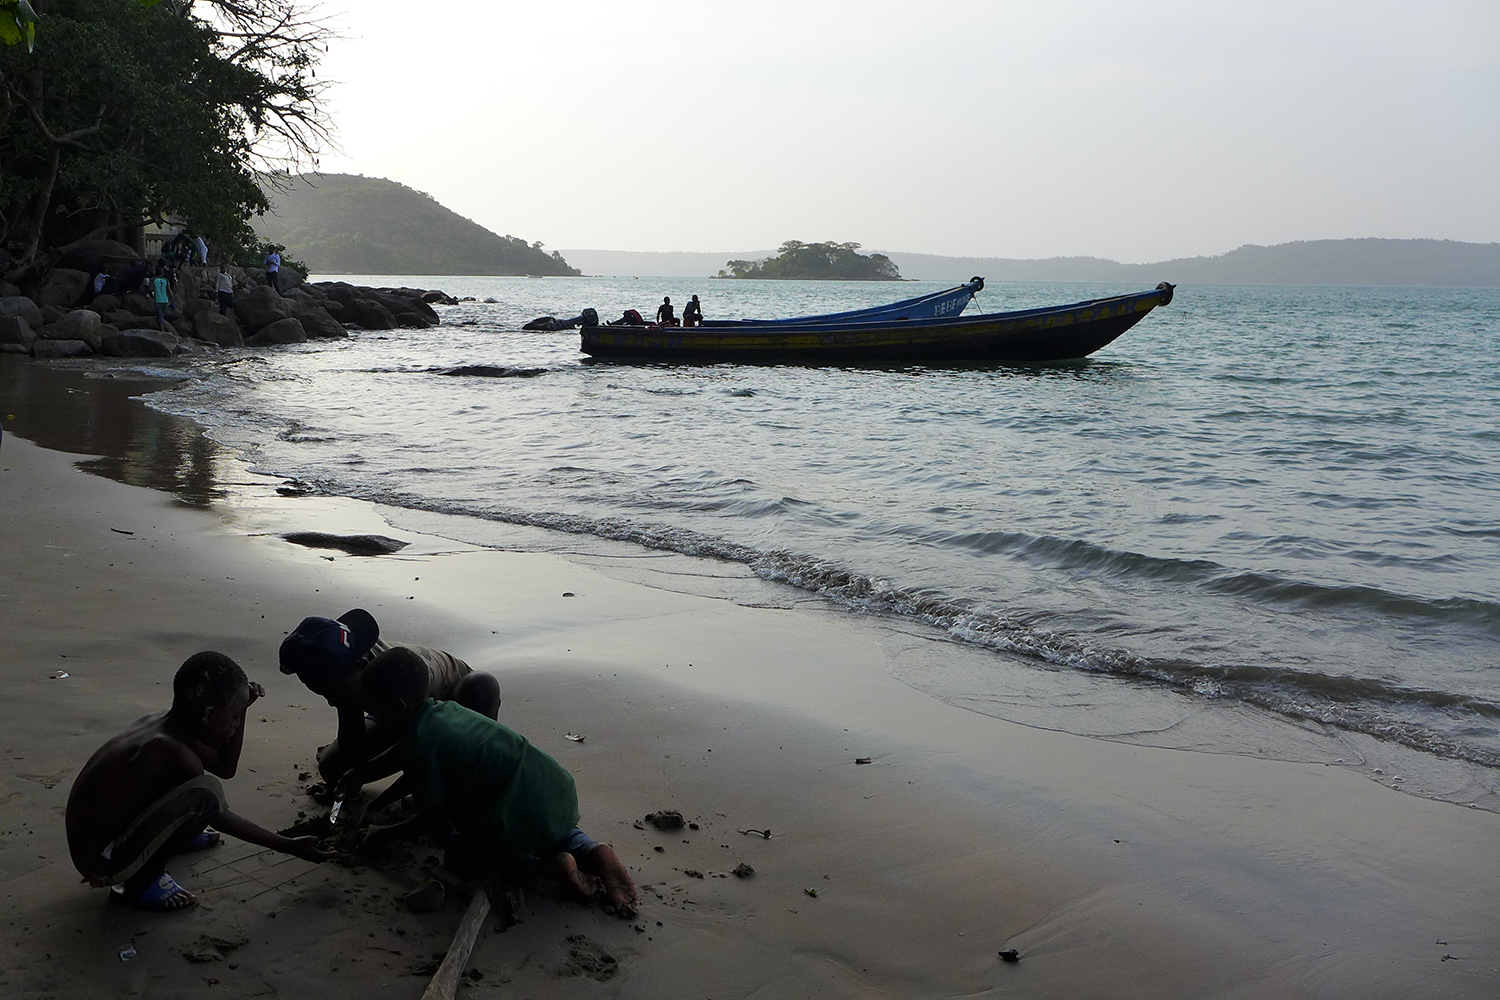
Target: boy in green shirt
x=505 y=799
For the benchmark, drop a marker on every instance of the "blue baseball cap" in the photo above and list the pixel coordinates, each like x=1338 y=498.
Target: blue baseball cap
x=329 y=643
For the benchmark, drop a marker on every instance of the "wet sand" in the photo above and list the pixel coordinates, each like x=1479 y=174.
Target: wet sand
x=1115 y=871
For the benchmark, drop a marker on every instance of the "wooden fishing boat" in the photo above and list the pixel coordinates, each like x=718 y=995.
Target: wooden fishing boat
x=934 y=305
x=1053 y=333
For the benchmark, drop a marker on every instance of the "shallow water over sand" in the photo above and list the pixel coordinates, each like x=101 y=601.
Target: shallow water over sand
x=1281 y=500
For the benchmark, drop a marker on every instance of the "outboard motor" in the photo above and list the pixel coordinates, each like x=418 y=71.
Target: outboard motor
x=590 y=317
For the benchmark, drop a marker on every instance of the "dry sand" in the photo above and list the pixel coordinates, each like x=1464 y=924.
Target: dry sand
x=1116 y=871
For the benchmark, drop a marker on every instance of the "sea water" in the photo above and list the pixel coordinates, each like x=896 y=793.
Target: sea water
x=1265 y=520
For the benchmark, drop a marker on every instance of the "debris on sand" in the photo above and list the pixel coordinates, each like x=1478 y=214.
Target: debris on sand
x=209 y=948
x=428 y=899
x=1010 y=955
x=742 y=870
x=666 y=819
x=355 y=545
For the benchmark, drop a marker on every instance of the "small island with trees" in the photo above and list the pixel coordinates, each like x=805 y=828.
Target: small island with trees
x=827 y=261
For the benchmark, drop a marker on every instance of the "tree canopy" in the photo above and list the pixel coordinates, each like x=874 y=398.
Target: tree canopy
x=832 y=261
x=128 y=112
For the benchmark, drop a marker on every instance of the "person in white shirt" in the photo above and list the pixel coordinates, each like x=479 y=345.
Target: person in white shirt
x=226 y=290
x=273 y=269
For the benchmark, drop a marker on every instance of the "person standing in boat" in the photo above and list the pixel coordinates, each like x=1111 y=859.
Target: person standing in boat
x=665 y=314
x=692 y=313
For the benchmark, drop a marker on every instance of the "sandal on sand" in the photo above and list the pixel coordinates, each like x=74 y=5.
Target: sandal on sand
x=205 y=840
x=162 y=896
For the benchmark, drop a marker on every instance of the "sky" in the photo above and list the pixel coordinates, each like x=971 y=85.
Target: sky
x=1137 y=131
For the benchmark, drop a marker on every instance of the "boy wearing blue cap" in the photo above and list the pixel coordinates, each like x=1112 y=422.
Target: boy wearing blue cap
x=330 y=655
x=504 y=801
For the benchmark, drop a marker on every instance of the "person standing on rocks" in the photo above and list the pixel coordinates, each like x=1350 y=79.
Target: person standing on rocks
x=162 y=294
x=226 y=290
x=273 y=269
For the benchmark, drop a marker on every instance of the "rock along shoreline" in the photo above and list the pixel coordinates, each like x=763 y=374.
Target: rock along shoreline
x=60 y=315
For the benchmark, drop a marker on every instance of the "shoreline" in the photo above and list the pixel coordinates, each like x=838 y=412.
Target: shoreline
x=1114 y=869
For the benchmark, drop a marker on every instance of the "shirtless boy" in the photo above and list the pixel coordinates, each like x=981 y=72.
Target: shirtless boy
x=505 y=800
x=149 y=793
x=329 y=656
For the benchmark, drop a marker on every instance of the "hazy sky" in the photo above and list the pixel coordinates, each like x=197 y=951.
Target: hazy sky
x=1132 y=130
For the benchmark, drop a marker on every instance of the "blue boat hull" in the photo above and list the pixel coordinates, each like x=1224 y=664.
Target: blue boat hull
x=946 y=304
x=1057 y=333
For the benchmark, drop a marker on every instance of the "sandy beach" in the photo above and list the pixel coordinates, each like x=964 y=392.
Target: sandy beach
x=1114 y=870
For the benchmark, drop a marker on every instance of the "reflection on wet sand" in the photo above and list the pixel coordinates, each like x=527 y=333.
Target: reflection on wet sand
x=91 y=413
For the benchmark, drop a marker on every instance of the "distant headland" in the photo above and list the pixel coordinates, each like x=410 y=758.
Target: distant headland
x=348 y=224
x=1311 y=262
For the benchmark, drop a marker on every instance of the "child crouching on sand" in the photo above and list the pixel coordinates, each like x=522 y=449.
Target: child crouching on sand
x=150 y=793
x=505 y=800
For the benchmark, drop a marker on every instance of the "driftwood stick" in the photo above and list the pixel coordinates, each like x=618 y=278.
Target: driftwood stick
x=445 y=983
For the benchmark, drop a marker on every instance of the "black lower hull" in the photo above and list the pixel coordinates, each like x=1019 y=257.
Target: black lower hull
x=1037 y=335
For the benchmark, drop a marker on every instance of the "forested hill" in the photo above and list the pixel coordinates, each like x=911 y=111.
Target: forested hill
x=347 y=224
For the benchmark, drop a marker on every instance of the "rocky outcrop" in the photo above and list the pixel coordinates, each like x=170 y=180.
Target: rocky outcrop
x=104 y=303
x=212 y=328
x=318 y=323
x=63 y=288
x=283 y=331
x=60 y=349
x=20 y=305
x=260 y=306
x=15 y=330
x=78 y=325
x=139 y=344
x=369 y=314
x=93 y=256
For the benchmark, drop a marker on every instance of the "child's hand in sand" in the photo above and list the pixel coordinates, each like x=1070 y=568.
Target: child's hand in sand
x=604 y=873
x=376 y=834
x=306 y=848
x=256 y=693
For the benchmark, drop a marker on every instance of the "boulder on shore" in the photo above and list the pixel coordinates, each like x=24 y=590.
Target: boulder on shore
x=63 y=288
x=60 y=349
x=78 y=324
x=368 y=314
x=20 y=305
x=216 y=329
x=139 y=344
x=93 y=256
x=15 y=330
x=260 y=306
x=318 y=323
x=104 y=303
x=283 y=331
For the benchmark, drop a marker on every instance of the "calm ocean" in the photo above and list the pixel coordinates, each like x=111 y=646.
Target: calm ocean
x=1266 y=520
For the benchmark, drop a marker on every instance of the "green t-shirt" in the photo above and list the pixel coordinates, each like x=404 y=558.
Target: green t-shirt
x=159 y=286
x=487 y=779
